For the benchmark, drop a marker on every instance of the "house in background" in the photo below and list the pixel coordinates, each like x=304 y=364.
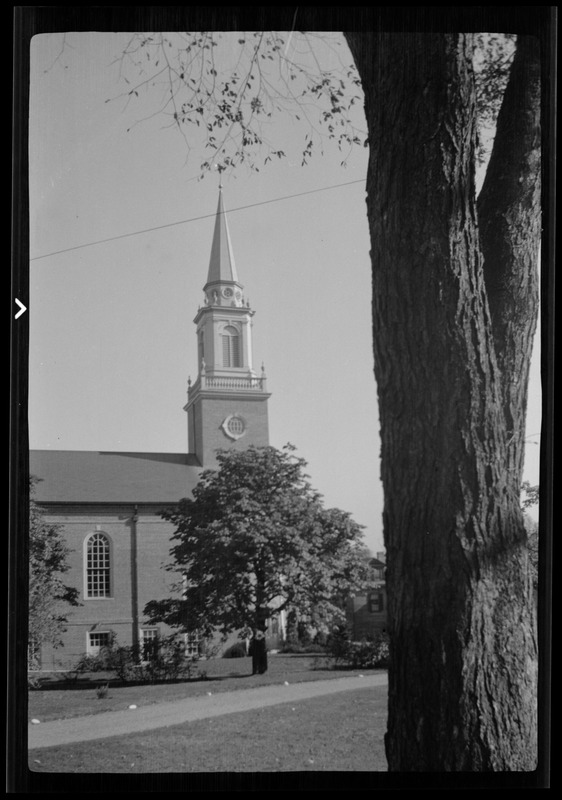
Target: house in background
x=108 y=504
x=367 y=613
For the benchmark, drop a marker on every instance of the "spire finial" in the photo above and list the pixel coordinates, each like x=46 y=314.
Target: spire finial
x=220 y=170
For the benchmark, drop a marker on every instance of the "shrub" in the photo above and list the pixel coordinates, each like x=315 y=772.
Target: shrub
x=208 y=648
x=369 y=654
x=102 y=662
x=123 y=661
x=166 y=661
x=366 y=654
x=237 y=650
x=338 y=644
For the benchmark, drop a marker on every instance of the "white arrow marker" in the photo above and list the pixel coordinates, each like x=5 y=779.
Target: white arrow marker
x=22 y=310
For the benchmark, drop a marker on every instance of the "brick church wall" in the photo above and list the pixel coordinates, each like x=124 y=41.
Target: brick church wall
x=114 y=613
x=212 y=411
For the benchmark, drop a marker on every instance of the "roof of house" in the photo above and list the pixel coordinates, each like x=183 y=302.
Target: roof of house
x=75 y=476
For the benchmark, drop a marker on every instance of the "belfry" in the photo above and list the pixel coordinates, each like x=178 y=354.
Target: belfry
x=227 y=403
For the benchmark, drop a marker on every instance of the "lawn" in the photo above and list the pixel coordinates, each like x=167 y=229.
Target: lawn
x=57 y=700
x=336 y=733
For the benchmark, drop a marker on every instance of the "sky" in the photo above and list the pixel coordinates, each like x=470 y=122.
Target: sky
x=112 y=339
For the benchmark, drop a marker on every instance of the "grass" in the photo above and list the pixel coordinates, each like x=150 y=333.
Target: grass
x=341 y=732
x=56 y=700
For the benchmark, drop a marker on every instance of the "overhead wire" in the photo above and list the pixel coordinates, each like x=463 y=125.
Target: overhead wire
x=191 y=219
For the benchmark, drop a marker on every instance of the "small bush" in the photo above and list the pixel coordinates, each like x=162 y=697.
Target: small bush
x=339 y=643
x=209 y=648
x=367 y=654
x=237 y=650
x=101 y=691
x=165 y=661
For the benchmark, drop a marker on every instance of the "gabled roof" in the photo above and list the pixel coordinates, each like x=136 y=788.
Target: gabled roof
x=76 y=476
x=221 y=265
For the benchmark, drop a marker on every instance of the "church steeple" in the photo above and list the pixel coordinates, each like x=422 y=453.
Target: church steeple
x=222 y=287
x=227 y=404
x=222 y=268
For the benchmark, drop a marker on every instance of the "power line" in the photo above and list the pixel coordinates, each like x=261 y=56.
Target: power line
x=192 y=219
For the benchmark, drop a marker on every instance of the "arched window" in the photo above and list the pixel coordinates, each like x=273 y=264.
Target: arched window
x=200 y=347
x=98 y=568
x=231 y=347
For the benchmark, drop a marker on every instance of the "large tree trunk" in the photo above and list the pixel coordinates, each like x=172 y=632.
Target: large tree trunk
x=258 y=649
x=462 y=680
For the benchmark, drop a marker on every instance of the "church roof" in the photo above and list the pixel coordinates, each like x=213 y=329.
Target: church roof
x=76 y=476
x=221 y=265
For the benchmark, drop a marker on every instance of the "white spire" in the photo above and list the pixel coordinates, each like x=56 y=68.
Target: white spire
x=222 y=268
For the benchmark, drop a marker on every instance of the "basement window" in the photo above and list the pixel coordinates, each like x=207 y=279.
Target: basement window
x=96 y=641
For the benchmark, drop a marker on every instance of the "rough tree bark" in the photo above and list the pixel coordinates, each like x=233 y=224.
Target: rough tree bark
x=452 y=341
x=510 y=224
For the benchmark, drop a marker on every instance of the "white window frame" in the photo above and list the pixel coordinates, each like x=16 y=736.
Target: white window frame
x=94 y=650
x=231 y=347
x=87 y=584
x=192 y=641
x=155 y=634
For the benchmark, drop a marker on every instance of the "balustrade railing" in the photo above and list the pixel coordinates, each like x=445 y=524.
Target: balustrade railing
x=246 y=383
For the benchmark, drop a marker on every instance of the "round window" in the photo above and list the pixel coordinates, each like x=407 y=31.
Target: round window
x=236 y=426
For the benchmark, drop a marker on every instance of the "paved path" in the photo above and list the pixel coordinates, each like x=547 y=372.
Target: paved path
x=161 y=715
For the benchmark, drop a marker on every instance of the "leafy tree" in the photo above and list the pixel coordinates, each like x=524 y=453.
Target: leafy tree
x=455 y=301
x=48 y=556
x=531 y=526
x=256 y=540
x=531 y=495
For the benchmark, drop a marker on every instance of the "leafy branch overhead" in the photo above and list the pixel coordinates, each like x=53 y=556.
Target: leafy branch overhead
x=255 y=540
x=227 y=93
x=224 y=92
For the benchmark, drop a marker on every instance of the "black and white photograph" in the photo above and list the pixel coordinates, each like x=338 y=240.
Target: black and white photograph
x=281 y=398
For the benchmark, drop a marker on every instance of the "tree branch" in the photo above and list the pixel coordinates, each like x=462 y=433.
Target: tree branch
x=510 y=229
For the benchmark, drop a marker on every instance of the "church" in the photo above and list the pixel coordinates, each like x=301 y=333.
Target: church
x=108 y=504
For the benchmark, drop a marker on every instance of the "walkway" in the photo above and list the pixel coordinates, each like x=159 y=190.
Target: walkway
x=161 y=715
